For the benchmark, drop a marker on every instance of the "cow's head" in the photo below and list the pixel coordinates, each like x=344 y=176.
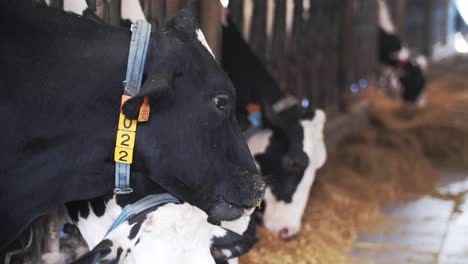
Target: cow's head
x=192 y=145
x=292 y=171
x=413 y=81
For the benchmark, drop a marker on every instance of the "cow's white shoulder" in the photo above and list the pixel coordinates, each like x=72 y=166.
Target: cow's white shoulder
x=176 y=233
x=93 y=228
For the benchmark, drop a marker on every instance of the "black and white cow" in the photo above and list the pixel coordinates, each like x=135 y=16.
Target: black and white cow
x=291 y=172
x=61 y=79
x=242 y=225
x=392 y=53
x=292 y=148
x=167 y=233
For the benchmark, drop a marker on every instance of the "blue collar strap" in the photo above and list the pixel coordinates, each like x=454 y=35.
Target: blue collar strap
x=142 y=205
x=139 y=43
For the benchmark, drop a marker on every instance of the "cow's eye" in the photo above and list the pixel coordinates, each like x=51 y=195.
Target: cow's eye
x=222 y=102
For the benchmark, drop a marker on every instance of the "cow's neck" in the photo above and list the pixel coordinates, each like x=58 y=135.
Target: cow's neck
x=63 y=86
x=94 y=217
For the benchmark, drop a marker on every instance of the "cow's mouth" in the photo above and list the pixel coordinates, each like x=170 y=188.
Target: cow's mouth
x=228 y=211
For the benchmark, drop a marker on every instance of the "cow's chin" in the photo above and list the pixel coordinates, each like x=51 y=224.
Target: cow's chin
x=225 y=211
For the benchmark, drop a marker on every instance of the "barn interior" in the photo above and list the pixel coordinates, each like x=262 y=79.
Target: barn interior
x=394 y=188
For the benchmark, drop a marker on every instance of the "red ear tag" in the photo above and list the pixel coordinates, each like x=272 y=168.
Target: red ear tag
x=144 y=111
x=123 y=100
x=252 y=108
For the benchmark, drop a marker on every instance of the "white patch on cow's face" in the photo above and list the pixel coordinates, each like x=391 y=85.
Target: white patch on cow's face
x=258 y=142
x=203 y=41
x=403 y=54
x=280 y=216
x=422 y=62
x=131 y=10
x=385 y=21
x=175 y=233
x=75 y=6
x=93 y=228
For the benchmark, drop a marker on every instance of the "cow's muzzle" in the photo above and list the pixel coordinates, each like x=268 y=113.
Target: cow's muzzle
x=227 y=210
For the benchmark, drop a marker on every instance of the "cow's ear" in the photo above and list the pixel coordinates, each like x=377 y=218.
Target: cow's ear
x=156 y=87
x=97 y=254
x=230 y=245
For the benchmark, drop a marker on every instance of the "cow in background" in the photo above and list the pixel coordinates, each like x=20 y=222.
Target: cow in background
x=291 y=148
x=411 y=73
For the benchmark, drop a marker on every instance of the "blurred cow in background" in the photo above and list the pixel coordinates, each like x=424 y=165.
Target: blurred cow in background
x=290 y=148
x=411 y=73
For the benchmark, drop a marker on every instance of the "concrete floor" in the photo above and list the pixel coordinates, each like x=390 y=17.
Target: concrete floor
x=426 y=230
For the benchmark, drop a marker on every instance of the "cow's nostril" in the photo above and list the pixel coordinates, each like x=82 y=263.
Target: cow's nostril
x=284 y=233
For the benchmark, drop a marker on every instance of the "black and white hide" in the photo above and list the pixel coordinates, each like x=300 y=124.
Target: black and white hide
x=61 y=79
x=286 y=150
x=291 y=172
x=170 y=233
x=392 y=53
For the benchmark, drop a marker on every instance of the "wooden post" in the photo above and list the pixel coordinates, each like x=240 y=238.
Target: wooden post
x=115 y=13
x=102 y=10
x=210 y=20
x=258 y=29
x=173 y=7
x=445 y=22
x=297 y=66
x=428 y=38
x=236 y=12
x=345 y=52
x=278 y=41
x=155 y=12
x=400 y=16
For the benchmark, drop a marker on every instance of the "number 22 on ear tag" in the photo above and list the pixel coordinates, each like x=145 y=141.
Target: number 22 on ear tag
x=125 y=141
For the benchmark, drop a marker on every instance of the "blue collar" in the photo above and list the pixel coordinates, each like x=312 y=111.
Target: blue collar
x=148 y=202
x=132 y=210
x=139 y=43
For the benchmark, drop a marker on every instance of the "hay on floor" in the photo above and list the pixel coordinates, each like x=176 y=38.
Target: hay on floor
x=397 y=154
